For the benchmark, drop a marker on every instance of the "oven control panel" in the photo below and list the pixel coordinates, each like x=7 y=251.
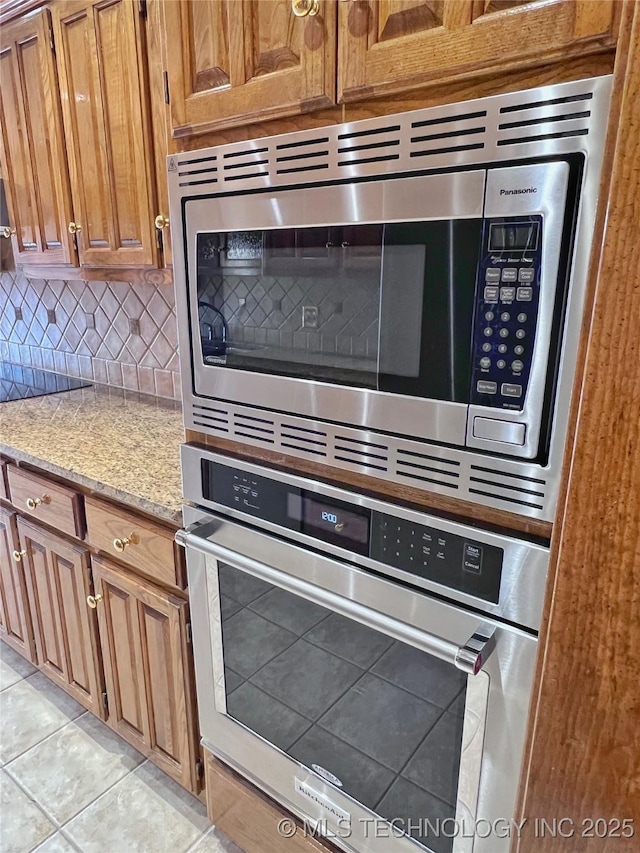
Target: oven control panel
x=507 y=297
x=383 y=538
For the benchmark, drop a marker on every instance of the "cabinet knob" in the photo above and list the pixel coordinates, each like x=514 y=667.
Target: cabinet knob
x=92 y=600
x=6 y=231
x=18 y=555
x=121 y=544
x=34 y=503
x=305 y=8
x=73 y=228
x=161 y=221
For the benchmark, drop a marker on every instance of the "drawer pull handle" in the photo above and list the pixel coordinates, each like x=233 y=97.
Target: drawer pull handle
x=34 y=503
x=92 y=600
x=121 y=544
x=18 y=555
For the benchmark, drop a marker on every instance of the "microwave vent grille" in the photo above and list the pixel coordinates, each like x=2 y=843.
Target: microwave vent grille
x=364 y=454
x=426 y=468
x=213 y=419
x=541 y=120
x=305 y=155
x=195 y=171
x=507 y=487
x=303 y=439
x=375 y=145
x=255 y=428
x=448 y=134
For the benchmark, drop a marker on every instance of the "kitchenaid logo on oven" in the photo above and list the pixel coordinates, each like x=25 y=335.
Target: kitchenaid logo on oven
x=519 y=191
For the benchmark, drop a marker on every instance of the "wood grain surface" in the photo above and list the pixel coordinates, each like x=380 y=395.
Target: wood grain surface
x=60 y=508
x=15 y=618
x=583 y=759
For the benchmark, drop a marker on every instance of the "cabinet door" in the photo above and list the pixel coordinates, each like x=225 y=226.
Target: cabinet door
x=33 y=152
x=387 y=46
x=242 y=61
x=148 y=669
x=66 y=631
x=100 y=62
x=15 y=619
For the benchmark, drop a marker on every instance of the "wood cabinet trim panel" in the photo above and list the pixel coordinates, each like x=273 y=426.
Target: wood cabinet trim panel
x=159 y=674
x=15 y=617
x=153 y=554
x=465 y=43
x=66 y=630
x=582 y=760
x=32 y=140
x=4 y=484
x=63 y=511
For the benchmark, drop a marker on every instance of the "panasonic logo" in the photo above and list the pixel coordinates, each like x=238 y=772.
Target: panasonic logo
x=519 y=192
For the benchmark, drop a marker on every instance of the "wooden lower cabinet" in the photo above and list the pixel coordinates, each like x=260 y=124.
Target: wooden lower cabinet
x=15 y=619
x=144 y=636
x=58 y=581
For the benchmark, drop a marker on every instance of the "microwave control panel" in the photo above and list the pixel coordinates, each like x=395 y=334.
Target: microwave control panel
x=507 y=297
x=454 y=561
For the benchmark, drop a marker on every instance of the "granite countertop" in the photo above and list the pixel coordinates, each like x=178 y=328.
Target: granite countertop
x=117 y=443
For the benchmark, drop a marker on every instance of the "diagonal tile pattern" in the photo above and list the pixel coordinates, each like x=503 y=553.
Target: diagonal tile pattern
x=70 y=785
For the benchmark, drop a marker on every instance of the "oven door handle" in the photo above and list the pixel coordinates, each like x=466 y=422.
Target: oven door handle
x=469 y=657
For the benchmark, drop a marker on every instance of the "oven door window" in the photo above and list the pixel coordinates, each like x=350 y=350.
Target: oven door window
x=380 y=720
x=385 y=307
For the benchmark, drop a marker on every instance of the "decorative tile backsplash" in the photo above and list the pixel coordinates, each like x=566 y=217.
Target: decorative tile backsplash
x=115 y=333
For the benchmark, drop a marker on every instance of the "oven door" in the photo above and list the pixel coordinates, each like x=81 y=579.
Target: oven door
x=386 y=718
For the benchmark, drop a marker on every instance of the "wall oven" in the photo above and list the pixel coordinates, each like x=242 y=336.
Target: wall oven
x=367 y=665
x=400 y=296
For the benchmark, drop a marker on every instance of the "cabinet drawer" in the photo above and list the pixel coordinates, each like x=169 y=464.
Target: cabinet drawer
x=47 y=501
x=143 y=545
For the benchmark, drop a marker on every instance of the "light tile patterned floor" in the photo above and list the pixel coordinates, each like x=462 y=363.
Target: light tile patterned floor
x=69 y=784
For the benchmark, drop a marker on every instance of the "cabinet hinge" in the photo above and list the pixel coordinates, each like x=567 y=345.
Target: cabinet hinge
x=188 y=630
x=165 y=77
x=90 y=573
x=142 y=5
x=199 y=769
x=105 y=701
x=159 y=240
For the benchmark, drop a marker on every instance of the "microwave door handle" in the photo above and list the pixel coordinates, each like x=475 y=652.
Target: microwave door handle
x=470 y=657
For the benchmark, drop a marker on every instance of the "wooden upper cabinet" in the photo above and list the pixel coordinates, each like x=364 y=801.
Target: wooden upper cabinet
x=387 y=46
x=33 y=154
x=66 y=631
x=99 y=50
x=242 y=61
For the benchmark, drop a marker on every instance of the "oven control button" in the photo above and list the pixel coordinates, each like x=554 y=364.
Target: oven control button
x=509 y=390
x=491 y=294
x=507 y=294
x=485 y=363
x=526 y=274
x=485 y=387
x=504 y=333
x=501 y=363
x=486 y=347
x=525 y=294
x=520 y=333
x=517 y=366
x=502 y=348
x=487 y=332
x=472 y=559
x=492 y=274
x=509 y=274
x=519 y=349
x=494 y=430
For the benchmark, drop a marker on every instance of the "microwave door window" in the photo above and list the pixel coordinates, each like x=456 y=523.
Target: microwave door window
x=428 y=285
x=301 y=302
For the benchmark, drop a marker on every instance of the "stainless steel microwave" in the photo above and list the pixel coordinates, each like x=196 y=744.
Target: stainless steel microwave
x=400 y=296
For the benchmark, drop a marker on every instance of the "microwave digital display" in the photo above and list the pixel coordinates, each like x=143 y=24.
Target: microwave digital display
x=520 y=236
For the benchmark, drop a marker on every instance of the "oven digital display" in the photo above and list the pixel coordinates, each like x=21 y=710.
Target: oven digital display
x=332 y=521
x=519 y=236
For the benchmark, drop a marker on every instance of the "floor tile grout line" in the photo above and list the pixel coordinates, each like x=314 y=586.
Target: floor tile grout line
x=55 y=731
x=30 y=797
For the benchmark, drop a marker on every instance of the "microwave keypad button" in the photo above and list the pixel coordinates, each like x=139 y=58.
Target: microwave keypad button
x=504 y=333
x=485 y=387
x=525 y=294
x=505 y=316
x=522 y=318
x=507 y=294
x=492 y=274
x=486 y=347
x=520 y=333
x=509 y=274
x=495 y=430
x=502 y=348
x=526 y=275
x=509 y=390
x=485 y=363
x=517 y=366
x=487 y=332
x=491 y=294
x=519 y=349
x=489 y=316
x=501 y=363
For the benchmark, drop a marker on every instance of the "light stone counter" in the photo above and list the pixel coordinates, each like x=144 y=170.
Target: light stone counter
x=118 y=443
